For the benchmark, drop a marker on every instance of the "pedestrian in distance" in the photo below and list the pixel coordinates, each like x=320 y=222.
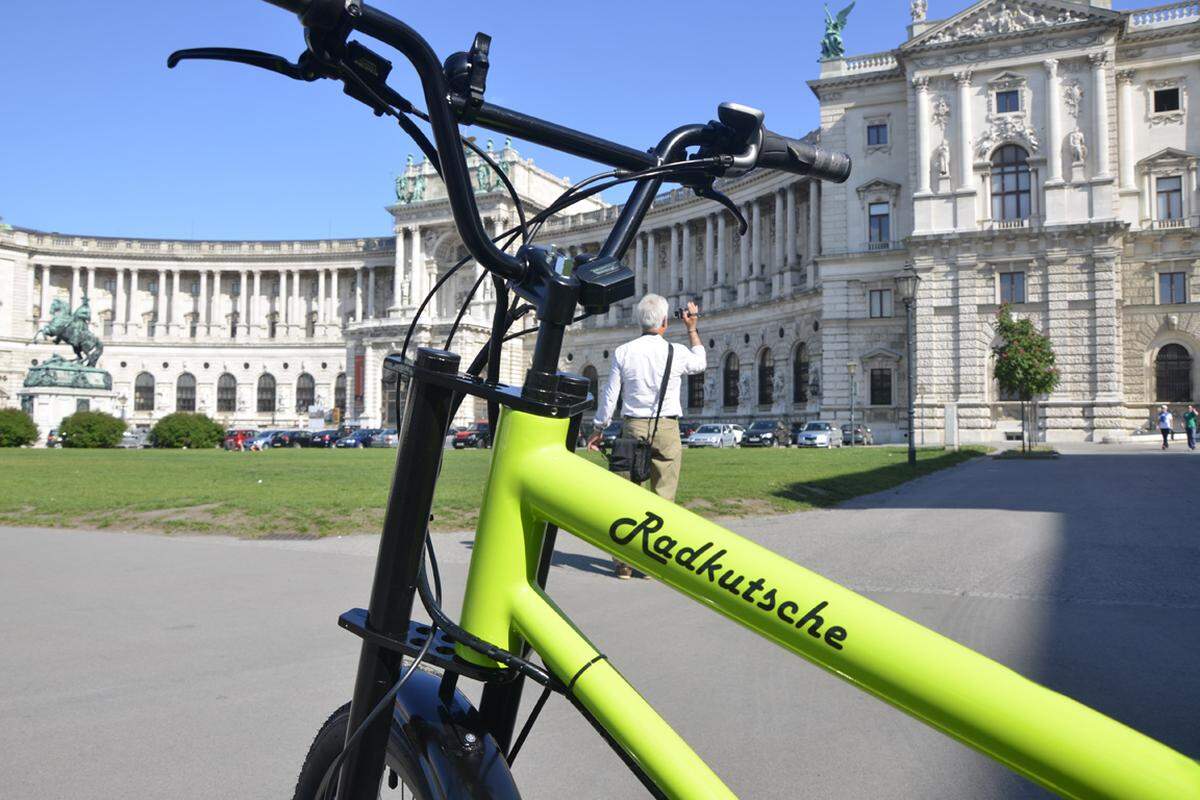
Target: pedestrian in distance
x=1189 y=426
x=646 y=375
x=1165 y=423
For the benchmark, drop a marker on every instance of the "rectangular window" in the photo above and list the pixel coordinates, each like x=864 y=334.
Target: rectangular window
x=695 y=391
x=881 y=302
x=1172 y=288
x=879 y=229
x=1170 y=197
x=1012 y=287
x=272 y=326
x=1008 y=101
x=1166 y=100
x=877 y=134
x=881 y=387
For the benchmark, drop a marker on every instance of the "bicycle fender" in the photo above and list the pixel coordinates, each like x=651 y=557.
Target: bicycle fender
x=446 y=746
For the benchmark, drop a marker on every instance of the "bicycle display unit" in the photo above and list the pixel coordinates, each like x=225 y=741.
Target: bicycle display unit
x=412 y=731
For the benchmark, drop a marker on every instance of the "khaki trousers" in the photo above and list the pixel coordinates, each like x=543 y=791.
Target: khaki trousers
x=666 y=453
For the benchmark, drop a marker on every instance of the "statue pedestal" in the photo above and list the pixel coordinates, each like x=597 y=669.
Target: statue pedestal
x=58 y=388
x=49 y=404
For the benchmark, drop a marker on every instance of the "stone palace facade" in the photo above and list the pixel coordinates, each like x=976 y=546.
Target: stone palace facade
x=1036 y=153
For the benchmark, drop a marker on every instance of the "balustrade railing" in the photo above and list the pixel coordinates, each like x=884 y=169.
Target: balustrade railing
x=1161 y=16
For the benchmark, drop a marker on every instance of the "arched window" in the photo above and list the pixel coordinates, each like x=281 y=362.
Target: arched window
x=185 y=392
x=766 y=378
x=143 y=392
x=1010 y=183
x=1173 y=374
x=306 y=392
x=266 y=393
x=800 y=374
x=729 y=375
x=593 y=379
x=339 y=393
x=226 y=394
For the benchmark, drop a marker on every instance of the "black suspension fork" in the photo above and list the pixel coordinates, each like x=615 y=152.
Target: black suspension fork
x=397 y=567
x=500 y=702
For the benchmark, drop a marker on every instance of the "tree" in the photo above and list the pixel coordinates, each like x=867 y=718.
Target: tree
x=16 y=428
x=1024 y=361
x=195 y=431
x=91 y=429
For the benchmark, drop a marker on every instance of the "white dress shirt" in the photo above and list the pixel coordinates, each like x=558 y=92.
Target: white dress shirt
x=638 y=368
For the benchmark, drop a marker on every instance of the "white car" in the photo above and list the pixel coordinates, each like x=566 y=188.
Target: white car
x=819 y=434
x=711 y=436
x=738 y=433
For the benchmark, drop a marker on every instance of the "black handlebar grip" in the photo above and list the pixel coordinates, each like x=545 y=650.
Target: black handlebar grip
x=800 y=158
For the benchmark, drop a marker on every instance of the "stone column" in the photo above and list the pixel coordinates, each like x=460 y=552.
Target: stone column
x=74 y=286
x=322 y=308
x=359 y=281
x=244 y=310
x=1053 y=124
x=965 y=159
x=710 y=290
x=162 y=322
x=722 y=259
x=257 y=308
x=756 y=259
x=743 y=285
x=90 y=282
x=639 y=267
x=120 y=304
x=921 y=85
x=203 y=320
x=297 y=324
x=397 y=275
x=176 y=304
x=417 y=278
x=673 y=264
x=1126 y=135
x=371 y=292
x=280 y=305
x=651 y=263
x=44 y=303
x=688 y=278
x=133 y=322
x=790 y=234
x=1100 y=111
x=777 y=268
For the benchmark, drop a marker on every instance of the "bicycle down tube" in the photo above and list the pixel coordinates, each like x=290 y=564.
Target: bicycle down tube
x=1055 y=741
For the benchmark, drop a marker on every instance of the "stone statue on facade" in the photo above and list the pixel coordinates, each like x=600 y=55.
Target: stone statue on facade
x=917 y=8
x=941 y=159
x=410 y=184
x=831 y=44
x=1078 y=146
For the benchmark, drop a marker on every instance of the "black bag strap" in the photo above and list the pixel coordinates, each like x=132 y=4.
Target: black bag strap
x=662 y=390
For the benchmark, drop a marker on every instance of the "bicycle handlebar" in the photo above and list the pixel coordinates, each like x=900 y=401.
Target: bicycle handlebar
x=799 y=157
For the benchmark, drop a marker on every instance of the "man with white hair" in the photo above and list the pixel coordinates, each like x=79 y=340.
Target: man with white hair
x=636 y=377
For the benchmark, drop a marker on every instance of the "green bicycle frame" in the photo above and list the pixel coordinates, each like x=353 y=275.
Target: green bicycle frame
x=534 y=480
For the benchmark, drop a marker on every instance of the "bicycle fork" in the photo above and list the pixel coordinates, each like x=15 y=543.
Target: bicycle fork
x=421 y=432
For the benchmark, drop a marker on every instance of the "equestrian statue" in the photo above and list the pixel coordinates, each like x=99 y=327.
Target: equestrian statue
x=72 y=327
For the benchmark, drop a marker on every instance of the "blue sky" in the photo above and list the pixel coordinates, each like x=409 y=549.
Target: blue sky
x=98 y=137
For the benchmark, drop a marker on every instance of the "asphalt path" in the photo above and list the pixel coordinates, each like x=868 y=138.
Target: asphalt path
x=148 y=666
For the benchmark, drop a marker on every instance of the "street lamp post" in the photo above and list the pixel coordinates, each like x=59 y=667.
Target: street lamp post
x=851 y=366
x=907 y=283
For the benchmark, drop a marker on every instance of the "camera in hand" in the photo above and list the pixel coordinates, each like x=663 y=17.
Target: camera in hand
x=681 y=313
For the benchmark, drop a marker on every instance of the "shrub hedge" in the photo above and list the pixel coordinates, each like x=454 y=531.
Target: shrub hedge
x=16 y=428
x=194 y=431
x=91 y=429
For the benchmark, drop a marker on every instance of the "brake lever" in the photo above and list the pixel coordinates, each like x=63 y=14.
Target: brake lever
x=709 y=193
x=253 y=58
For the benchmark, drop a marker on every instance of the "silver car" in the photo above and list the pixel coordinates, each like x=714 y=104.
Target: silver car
x=711 y=435
x=819 y=434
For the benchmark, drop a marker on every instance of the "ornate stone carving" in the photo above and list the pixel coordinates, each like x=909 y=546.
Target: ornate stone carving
x=1009 y=49
x=1125 y=76
x=917 y=8
x=1004 y=18
x=1078 y=146
x=921 y=83
x=1072 y=93
x=940 y=110
x=1006 y=129
x=964 y=77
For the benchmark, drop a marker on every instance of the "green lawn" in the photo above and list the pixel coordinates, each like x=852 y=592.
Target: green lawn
x=322 y=492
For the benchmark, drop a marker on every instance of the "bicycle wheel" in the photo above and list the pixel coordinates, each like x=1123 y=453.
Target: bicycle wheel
x=326 y=747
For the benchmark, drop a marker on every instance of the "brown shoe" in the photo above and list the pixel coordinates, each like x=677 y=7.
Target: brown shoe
x=624 y=571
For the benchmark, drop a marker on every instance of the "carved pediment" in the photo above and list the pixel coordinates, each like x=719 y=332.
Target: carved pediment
x=1167 y=160
x=878 y=187
x=1008 y=17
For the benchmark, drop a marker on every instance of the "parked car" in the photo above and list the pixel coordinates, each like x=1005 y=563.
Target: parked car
x=862 y=434
x=326 y=438
x=231 y=437
x=261 y=440
x=712 y=435
x=477 y=435
x=54 y=438
x=687 y=428
x=819 y=434
x=359 y=438
x=766 y=433
x=610 y=435
x=135 y=440
x=388 y=437
x=289 y=438
x=738 y=433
